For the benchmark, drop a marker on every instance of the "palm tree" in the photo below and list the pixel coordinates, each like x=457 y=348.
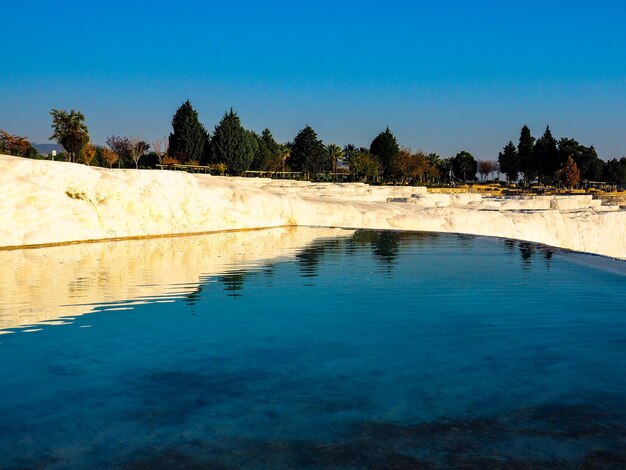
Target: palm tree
x=349 y=151
x=285 y=153
x=434 y=167
x=334 y=153
x=70 y=131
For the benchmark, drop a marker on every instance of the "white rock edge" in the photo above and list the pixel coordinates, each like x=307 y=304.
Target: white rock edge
x=45 y=202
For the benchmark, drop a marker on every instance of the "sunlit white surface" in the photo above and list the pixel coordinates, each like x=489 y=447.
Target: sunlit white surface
x=51 y=202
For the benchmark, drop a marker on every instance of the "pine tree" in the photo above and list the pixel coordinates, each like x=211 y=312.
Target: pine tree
x=307 y=153
x=525 y=154
x=385 y=147
x=509 y=162
x=189 y=136
x=232 y=144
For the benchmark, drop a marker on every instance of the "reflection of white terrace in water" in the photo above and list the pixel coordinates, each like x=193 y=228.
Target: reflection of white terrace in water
x=52 y=285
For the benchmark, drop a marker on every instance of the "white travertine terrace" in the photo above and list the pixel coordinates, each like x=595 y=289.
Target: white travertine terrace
x=52 y=202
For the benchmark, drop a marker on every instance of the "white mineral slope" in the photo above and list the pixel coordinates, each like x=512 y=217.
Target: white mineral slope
x=50 y=284
x=51 y=202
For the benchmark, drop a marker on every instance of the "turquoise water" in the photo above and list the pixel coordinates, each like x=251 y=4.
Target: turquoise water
x=372 y=350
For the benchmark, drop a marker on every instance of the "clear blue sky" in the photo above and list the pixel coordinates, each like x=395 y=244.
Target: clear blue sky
x=445 y=76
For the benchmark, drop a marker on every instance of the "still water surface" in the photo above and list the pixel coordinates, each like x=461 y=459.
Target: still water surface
x=314 y=349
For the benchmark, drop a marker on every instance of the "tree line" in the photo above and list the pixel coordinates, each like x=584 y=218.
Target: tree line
x=233 y=149
x=549 y=161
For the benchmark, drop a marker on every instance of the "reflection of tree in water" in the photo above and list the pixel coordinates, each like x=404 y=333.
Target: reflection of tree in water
x=233 y=282
x=510 y=244
x=466 y=240
x=386 y=244
x=385 y=248
x=192 y=298
x=79 y=285
x=547 y=253
x=309 y=259
x=268 y=270
x=528 y=250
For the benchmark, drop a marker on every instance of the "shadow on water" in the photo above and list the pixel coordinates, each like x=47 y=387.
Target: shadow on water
x=528 y=438
x=583 y=435
x=171 y=397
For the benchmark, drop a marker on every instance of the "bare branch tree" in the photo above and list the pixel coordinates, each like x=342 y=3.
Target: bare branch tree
x=485 y=168
x=136 y=149
x=120 y=145
x=160 y=148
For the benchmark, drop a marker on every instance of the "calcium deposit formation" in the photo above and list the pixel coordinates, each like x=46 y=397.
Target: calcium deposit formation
x=44 y=202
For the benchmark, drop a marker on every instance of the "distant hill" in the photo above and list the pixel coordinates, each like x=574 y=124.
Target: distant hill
x=45 y=149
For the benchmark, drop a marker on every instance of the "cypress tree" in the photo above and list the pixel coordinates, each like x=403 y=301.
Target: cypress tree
x=188 y=139
x=232 y=145
x=268 y=140
x=525 y=154
x=262 y=156
x=267 y=157
x=385 y=148
x=255 y=142
x=509 y=162
x=546 y=159
x=307 y=152
x=590 y=163
x=207 y=152
x=615 y=171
